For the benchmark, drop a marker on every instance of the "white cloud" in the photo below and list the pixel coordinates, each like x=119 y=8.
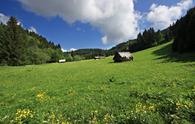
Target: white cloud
x=63 y=50
x=161 y=16
x=3 y=18
x=72 y=49
x=19 y=23
x=116 y=19
x=32 y=29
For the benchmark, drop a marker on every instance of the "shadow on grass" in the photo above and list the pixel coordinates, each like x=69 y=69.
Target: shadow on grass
x=117 y=63
x=111 y=62
x=166 y=55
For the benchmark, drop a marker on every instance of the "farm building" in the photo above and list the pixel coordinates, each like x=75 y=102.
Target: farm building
x=99 y=57
x=123 y=56
x=62 y=61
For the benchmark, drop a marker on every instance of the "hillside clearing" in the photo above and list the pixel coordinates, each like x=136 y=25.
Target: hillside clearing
x=157 y=87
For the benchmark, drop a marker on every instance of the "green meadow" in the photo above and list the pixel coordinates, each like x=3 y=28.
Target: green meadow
x=157 y=87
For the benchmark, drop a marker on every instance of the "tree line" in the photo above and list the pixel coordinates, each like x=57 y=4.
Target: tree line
x=184 y=33
x=147 y=39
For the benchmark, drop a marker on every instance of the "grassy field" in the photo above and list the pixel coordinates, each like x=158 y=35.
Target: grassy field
x=157 y=87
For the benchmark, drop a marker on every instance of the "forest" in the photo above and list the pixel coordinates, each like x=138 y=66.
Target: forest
x=184 y=33
x=22 y=47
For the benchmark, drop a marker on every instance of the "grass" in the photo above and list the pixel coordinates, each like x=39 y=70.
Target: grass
x=156 y=87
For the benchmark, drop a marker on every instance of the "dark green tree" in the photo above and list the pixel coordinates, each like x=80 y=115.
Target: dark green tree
x=3 y=46
x=15 y=43
x=184 y=33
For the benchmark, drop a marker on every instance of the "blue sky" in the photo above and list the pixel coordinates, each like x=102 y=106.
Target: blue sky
x=89 y=31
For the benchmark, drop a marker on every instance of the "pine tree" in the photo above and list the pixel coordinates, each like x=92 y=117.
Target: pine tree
x=184 y=32
x=15 y=43
x=3 y=49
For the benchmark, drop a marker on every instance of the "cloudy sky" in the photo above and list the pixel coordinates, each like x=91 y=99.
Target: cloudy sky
x=93 y=23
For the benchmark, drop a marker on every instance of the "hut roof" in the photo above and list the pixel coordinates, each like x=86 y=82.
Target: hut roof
x=125 y=54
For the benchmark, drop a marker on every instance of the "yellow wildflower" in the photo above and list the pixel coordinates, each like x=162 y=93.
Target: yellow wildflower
x=108 y=118
x=41 y=96
x=94 y=120
x=23 y=114
x=144 y=107
x=193 y=89
x=186 y=105
x=65 y=122
x=71 y=92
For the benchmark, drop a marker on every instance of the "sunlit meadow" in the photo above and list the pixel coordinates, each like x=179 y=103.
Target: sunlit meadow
x=154 y=88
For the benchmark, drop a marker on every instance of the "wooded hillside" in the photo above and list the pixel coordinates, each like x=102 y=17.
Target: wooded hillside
x=184 y=33
x=21 y=47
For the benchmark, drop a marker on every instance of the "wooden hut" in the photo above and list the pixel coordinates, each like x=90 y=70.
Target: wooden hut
x=123 y=56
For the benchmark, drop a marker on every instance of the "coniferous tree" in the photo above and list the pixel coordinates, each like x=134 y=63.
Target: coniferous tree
x=15 y=43
x=3 y=46
x=184 y=33
x=158 y=37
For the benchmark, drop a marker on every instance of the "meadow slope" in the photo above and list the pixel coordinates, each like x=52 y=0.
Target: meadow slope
x=157 y=87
